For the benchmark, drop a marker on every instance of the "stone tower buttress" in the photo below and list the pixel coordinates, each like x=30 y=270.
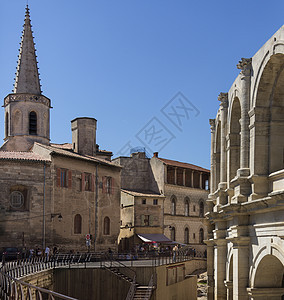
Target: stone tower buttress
x=27 y=111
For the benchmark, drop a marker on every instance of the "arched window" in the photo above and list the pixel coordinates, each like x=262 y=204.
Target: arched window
x=173 y=206
x=201 y=235
x=33 y=123
x=7 y=124
x=106 y=226
x=186 y=236
x=201 y=209
x=78 y=224
x=173 y=234
x=186 y=207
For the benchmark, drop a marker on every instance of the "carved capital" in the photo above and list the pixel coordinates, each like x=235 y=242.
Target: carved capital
x=245 y=66
x=223 y=98
x=212 y=125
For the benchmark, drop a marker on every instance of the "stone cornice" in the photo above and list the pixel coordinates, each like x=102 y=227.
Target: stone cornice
x=27 y=98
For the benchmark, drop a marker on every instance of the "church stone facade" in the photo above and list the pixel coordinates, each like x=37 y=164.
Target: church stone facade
x=246 y=200
x=53 y=194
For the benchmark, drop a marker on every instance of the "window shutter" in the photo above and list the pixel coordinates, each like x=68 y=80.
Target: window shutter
x=151 y=220
x=58 y=176
x=112 y=185
x=83 y=182
x=69 y=179
x=93 y=182
x=104 y=184
x=142 y=220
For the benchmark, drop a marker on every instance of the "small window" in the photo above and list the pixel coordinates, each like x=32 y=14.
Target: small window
x=186 y=236
x=194 y=236
x=63 y=178
x=201 y=236
x=88 y=182
x=194 y=208
x=16 y=200
x=7 y=124
x=143 y=201
x=201 y=209
x=155 y=201
x=107 y=185
x=33 y=123
x=186 y=207
x=78 y=224
x=106 y=226
x=147 y=220
x=173 y=206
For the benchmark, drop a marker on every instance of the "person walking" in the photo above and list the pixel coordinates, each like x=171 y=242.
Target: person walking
x=46 y=252
x=175 y=250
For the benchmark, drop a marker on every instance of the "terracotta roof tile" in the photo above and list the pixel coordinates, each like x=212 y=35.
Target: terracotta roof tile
x=14 y=155
x=183 y=165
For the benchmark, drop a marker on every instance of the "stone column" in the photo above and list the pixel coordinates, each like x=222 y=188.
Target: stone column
x=213 y=157
x=200 y=180
x=192 y=179
x=245 y=66
x=175 y=176
x=229 y=286
x=220 y=254
x=240 y=268
x=183 y=177
x=210 y=269
x=223 y=98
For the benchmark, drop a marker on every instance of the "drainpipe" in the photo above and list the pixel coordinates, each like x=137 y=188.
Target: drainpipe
x=96 y=210
x=43 y=210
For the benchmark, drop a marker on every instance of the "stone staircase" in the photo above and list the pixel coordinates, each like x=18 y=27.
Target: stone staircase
x=142 y=293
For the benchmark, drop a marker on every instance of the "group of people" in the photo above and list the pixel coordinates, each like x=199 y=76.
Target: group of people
x=38 y=252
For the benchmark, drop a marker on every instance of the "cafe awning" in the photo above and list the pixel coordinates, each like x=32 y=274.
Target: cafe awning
x=154 y=238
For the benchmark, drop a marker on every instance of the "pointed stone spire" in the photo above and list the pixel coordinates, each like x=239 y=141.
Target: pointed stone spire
x=27 y=76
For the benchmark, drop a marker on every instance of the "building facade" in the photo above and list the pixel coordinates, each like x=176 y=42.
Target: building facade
x=246 y=201
x=53 y=194
x=180 y=189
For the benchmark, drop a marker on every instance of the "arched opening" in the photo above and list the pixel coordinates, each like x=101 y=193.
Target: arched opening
x=78 y=224
x=201 y=209
x=234 y=139
x=186 y=235
x=186 y=206
x=7 y=124
x=269 y=274
x=173 y=205
x=201 y=235
x=33 y=123
x=106 y=226
x=173 y=234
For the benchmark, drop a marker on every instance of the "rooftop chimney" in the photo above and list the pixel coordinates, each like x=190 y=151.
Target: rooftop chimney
x=84 y=135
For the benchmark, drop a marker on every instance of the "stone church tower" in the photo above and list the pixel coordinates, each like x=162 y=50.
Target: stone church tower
x=26 y=109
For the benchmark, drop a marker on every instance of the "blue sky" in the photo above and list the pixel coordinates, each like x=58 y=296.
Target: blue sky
x=122 y=62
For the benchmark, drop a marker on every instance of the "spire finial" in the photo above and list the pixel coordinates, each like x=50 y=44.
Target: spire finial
x=27 y=76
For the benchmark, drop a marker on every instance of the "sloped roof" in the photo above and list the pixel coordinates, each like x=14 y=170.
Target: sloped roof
x=27 y=156
x=69 y=153
x=182 y=165
x=142 y=193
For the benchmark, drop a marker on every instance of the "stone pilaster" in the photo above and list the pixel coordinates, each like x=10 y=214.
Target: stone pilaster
x=220 y=253
x=213 y=157
x=210 y=269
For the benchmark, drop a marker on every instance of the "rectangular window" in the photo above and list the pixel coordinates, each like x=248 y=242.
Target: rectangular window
x=143 y=201
x=155 y=201
x=108 y=183
x=147 y=220
x=88 y=182
x=64 y=178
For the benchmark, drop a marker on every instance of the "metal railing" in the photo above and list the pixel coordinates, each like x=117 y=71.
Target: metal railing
x=149 y=289
x=131 y=291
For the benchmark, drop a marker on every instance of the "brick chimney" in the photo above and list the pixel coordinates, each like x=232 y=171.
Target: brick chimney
x=84 y=135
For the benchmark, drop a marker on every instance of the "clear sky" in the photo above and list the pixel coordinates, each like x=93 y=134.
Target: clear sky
x=149 y=71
